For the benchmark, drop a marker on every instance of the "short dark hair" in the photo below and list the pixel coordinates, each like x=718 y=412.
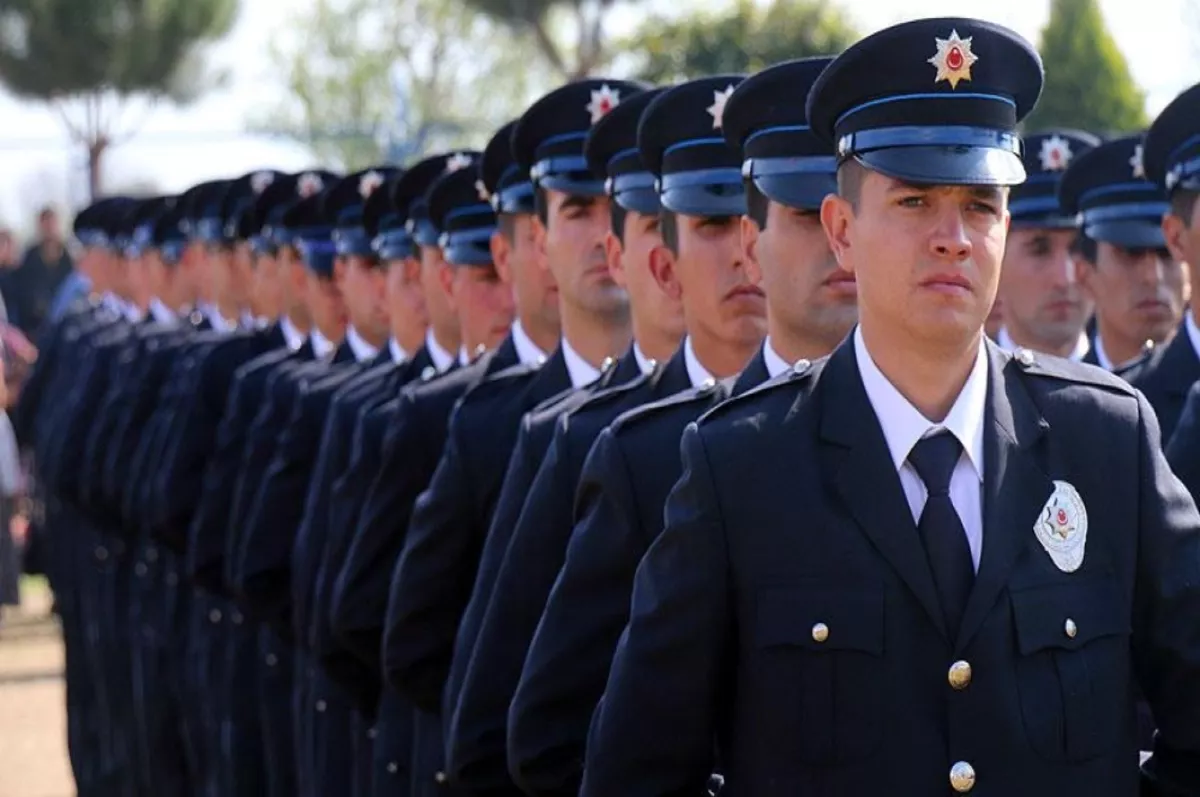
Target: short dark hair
x=46 y=212
x=541 y=204
x=1183 y=204
x=850 y=176
x=669 y=229
x=756 y=204
x=616 y=218
x=1085 y=248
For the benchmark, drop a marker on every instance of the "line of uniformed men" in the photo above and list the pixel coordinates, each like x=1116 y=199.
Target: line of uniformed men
x=347 y=477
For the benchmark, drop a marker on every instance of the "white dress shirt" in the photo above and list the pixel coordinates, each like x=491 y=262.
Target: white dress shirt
x=397 y=351
x=322 y=346
x=359 y=346
x=162 y=314
x=1082 y=346
x=580 y=370
x=697 y=373
x=528 y=352
x=220 y=323
x=644 y=363
x=292 y=336
x=904 y=425
x=776 y=365
x=442 y=359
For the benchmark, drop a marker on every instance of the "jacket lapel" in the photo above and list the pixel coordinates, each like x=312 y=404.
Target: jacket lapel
x=1015 y=486
x=860 y=469
x=753 y=375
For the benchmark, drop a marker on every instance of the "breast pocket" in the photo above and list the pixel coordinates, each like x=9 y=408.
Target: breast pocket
x=821 y=660
x=1073 y=669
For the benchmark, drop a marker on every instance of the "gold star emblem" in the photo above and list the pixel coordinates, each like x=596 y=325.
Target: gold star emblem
x=481 y=190
x=460 y=160
x=717 y=109
x=368 y=183
x=1056 y=153
x=309 y=184
x=953 y=59
x=259 y=181
x=603 y=101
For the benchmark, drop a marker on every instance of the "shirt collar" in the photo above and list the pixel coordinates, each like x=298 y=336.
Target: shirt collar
x=697 y=373
x=903 y=424
x=528 y=352
x=322 y=346
x=131 y=311
x=644 y=363
x=397 y=351
x=580 y=370
x=442 y=359
x=219 y=322
x=163 y=314
x=1082 y=346
x=1193 y=332
x=362 y=350
x=1106 y=362
x=292 y=336
x=776 y=365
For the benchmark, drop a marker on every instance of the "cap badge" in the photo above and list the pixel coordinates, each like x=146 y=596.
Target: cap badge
x=1135 y=161
x=368 y=183
x=481 y=191
x=260 y=180
x=953 y=59
x=717 y=109
x=603 y=100
x=1062 y=527
x=457 y=161
x=1056 y=153
x=1174 y=175
x=309 y=184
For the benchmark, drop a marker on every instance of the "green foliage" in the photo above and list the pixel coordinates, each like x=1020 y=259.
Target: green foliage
x=741 y=38
x=55 y=49
x=1088 y=83
x=348 y=61
x=568 y=34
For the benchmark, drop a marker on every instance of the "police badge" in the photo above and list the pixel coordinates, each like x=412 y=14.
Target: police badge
x=1062 y=527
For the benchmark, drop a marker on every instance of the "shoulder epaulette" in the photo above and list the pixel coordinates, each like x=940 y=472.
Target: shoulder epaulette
x=610 y=394
x=801 y=372
x=1069 y=371
x=499 y=381
x=702 y=394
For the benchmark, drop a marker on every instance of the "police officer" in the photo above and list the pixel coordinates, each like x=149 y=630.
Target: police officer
x=624 y=482
x=1124 y=264
x=469 y=304
x=785 y=628
x=702 y=269
x=1045 y=309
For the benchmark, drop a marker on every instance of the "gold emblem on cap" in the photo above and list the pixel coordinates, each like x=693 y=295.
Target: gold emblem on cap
x=309 y=184
x=953 y=59
x=368 y=183
x=481 y=191
x=603 y=100
x=717 y=109
x=457 y=161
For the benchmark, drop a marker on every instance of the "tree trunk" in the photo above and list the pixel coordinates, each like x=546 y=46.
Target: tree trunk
x=96 y=149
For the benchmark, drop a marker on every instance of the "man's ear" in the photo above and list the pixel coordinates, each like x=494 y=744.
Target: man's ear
x=663 y=268
x=837 y=219
x=612 y=255
x=541 y=257
x=501 y=249
x=445 y=278
x=1175 y=231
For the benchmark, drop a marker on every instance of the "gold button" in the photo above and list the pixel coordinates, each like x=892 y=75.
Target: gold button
x=440 y=777
x=272 y=659
x=960 y=675
x=393 y=767
x=320 y=706
x=962 y=777
x=820 y=632
x=1070 y=629
x=215 y=616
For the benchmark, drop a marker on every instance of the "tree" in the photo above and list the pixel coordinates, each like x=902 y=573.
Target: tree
x=374 y=80
x=1088 y=83
x=89 y=58
x=569 y=34
x=743 y=38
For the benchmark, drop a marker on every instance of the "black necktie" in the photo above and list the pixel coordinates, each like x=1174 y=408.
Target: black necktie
x=940 y=528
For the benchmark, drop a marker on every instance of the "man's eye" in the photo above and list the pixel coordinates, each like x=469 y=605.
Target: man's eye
x=915 y=201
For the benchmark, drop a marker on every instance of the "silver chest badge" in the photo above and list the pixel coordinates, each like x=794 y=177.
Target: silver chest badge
x=1062 y=527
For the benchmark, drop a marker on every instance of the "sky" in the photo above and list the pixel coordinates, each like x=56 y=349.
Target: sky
x=174 y=148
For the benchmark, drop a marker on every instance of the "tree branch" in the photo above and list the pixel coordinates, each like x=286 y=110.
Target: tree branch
x=549 y=49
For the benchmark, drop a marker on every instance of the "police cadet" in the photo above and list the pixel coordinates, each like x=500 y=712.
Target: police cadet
x=466 y=302
x=1170 y=372
x=624 y=482
x=702 y=270
x=77 y=552
x=828 y=644
x=1044 y=308
x=433 y=578
x=1172 y=161
x=1124 y=264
